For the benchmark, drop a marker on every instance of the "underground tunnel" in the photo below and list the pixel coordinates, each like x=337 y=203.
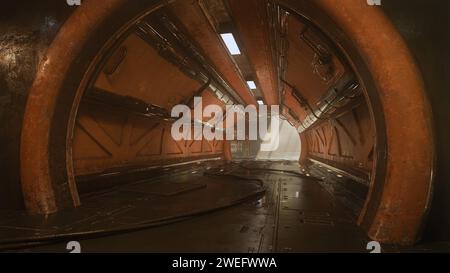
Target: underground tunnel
x=354 y=97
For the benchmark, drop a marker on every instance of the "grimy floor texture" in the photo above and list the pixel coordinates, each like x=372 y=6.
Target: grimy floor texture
x=246 y=207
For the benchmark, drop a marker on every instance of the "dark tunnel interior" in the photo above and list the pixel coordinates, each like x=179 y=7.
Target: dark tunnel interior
x=354 y=97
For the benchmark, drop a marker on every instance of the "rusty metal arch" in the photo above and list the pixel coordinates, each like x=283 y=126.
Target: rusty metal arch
x=396 y=207
x=400 y=192
x=43 y=193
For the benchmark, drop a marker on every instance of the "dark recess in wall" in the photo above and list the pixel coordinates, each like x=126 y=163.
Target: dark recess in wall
x=425 y=26
x=26 y=29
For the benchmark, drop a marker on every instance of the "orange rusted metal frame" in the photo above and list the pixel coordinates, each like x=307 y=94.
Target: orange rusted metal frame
x=398 y=214
x=304 y=149
x=253 y=26
x=407 y=187
x=41 y=195
x=37 y=184
x=227 y=151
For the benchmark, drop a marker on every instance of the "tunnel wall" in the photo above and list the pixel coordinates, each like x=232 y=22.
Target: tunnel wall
x=396 y=207
x=13 y=99
x=109 y=134
x=26 y=30
x=107 y=140
x=425 y=26
x=346 y=142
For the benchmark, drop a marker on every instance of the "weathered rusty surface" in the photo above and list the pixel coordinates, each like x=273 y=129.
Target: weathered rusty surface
x=106 y=138
x=314 y=75
x=397 y=217
x=290 y=101
x=227 y=151
x=424 y=25
x=145 y=75
x=38 y=190
x=304 y=149
x=347 y=140
x=408 y=183
x=38 y=187
x=253 y=27
x=26 y=29
x=200 y=30
x=303 y=70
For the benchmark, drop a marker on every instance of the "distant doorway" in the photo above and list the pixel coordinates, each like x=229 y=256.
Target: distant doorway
x=289 y=146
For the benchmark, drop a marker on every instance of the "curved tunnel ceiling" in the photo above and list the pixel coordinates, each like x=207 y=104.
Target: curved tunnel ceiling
x=337 y=90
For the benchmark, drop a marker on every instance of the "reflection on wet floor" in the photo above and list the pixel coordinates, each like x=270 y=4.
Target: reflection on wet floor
x=248 y=207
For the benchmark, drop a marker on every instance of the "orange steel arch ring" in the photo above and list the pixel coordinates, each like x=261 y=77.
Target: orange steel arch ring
x=397 y=203
x=43 y=193
x=400 y=194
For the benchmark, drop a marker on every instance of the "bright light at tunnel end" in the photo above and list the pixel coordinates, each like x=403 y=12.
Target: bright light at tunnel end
x=213 y=122
x=230 y=42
